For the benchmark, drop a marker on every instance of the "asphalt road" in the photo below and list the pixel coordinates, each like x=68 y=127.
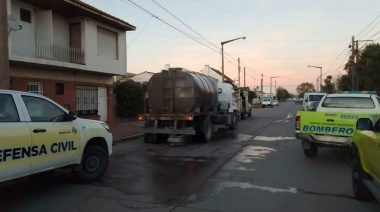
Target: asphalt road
x=259 y=167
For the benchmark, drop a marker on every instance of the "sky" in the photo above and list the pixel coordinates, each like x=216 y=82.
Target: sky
x=283 y=37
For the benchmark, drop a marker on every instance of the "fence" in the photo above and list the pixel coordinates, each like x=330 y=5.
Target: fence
x=47 y=50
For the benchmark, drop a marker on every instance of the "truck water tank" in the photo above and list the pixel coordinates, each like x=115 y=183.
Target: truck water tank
x=178 y=90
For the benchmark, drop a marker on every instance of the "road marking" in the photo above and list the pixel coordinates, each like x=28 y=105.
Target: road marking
x=244 y=185
x=265 y=138
x=289 y=116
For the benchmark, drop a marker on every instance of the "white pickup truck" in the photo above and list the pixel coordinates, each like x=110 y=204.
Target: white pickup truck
x=333 y=124
x=38 y=135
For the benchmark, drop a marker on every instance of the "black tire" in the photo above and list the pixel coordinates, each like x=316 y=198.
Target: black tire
x=242 y=115
x=250 y=113
x=150 y=138
x=361 y=192
x=204 y=130
x=234 y=121
x=93 y=165
x=312 y=152
x=162 y=138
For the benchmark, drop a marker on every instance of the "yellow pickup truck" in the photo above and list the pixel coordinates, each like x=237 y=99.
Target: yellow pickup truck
x=366 y=165
x=333 y=124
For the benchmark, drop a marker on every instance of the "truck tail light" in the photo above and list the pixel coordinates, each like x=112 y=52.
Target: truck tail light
x=188 y=118
x=298 y=122
x=142 y=118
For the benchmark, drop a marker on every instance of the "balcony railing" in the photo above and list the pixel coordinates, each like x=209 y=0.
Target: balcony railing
x=47 y=50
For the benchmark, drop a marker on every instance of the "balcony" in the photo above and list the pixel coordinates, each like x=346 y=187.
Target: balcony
x=31 y=47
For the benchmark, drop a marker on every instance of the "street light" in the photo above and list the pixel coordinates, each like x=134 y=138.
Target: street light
x=222 y=43
x=320 y=76
x=270 y=93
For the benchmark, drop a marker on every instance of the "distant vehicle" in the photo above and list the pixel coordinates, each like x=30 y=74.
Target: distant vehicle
x=313 y=106
x=266 y=102
x=298 y=101
x=275 y=103
x=311 y=97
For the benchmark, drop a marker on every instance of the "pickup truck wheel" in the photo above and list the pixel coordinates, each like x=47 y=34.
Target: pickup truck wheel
x=234 y=122
x=312 y=152
x=93 y=165
x=361 y=192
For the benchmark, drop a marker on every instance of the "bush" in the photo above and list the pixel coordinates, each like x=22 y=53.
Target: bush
x=129 y=98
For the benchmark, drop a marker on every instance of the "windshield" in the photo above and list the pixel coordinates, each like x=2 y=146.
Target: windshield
x=313 y=98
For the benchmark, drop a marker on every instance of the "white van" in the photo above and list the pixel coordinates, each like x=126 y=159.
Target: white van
x=308 y=98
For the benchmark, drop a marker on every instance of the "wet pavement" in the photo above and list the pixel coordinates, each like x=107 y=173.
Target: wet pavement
x=259 y=167
x=127 y=129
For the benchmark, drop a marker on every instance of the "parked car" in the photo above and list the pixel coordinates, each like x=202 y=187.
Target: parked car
x=275 y=103
x=313 y=106
x=38 y=135
x=299 y=101
x=266 y=102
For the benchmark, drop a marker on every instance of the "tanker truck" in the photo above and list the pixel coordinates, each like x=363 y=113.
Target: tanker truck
x=182 y=102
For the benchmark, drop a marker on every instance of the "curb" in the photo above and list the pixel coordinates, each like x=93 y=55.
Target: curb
x=128 y=138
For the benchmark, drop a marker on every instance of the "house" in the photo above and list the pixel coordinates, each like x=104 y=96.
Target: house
x=68 y=51
x=207 y=70
x=142 y=77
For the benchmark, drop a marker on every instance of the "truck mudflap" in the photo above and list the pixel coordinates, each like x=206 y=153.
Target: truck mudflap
x=324 y=139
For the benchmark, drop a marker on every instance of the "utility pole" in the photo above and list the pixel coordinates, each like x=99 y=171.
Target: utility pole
x=4 y=54
x=356 y=62
x=244 y=77
x=239 y=70
x=262 y=75
x=353 y=63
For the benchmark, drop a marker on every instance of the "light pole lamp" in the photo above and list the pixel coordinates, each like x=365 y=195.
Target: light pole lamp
x=320 y=76
x=222 y=43
x=270 y=92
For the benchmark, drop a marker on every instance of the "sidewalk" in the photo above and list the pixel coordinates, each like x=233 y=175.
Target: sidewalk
x=126 y=129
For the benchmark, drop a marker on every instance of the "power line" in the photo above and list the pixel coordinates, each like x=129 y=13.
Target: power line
x=173 y=26
x=130 y=44
x=184 y=23
x=368 y=26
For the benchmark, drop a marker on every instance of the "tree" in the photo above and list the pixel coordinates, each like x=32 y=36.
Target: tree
x=329 y=87
x=282 y=94
x=305 y=87
x=129 y=98
x=366 y=70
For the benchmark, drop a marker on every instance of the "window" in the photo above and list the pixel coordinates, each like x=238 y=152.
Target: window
x=25 y=15
x=59 y=88
x=107 y=43
x=349 y=102
x=36 y=87
x=8 y=111
x=87 y=100
x=41 y=110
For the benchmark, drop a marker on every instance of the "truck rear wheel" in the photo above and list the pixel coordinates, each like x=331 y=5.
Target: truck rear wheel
x=242 y=115
x=234 y=122
x=204 y=132
x=151 y=138
x=162 y=137
x=361 y=192
x=312 y=151
x=93 y=165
